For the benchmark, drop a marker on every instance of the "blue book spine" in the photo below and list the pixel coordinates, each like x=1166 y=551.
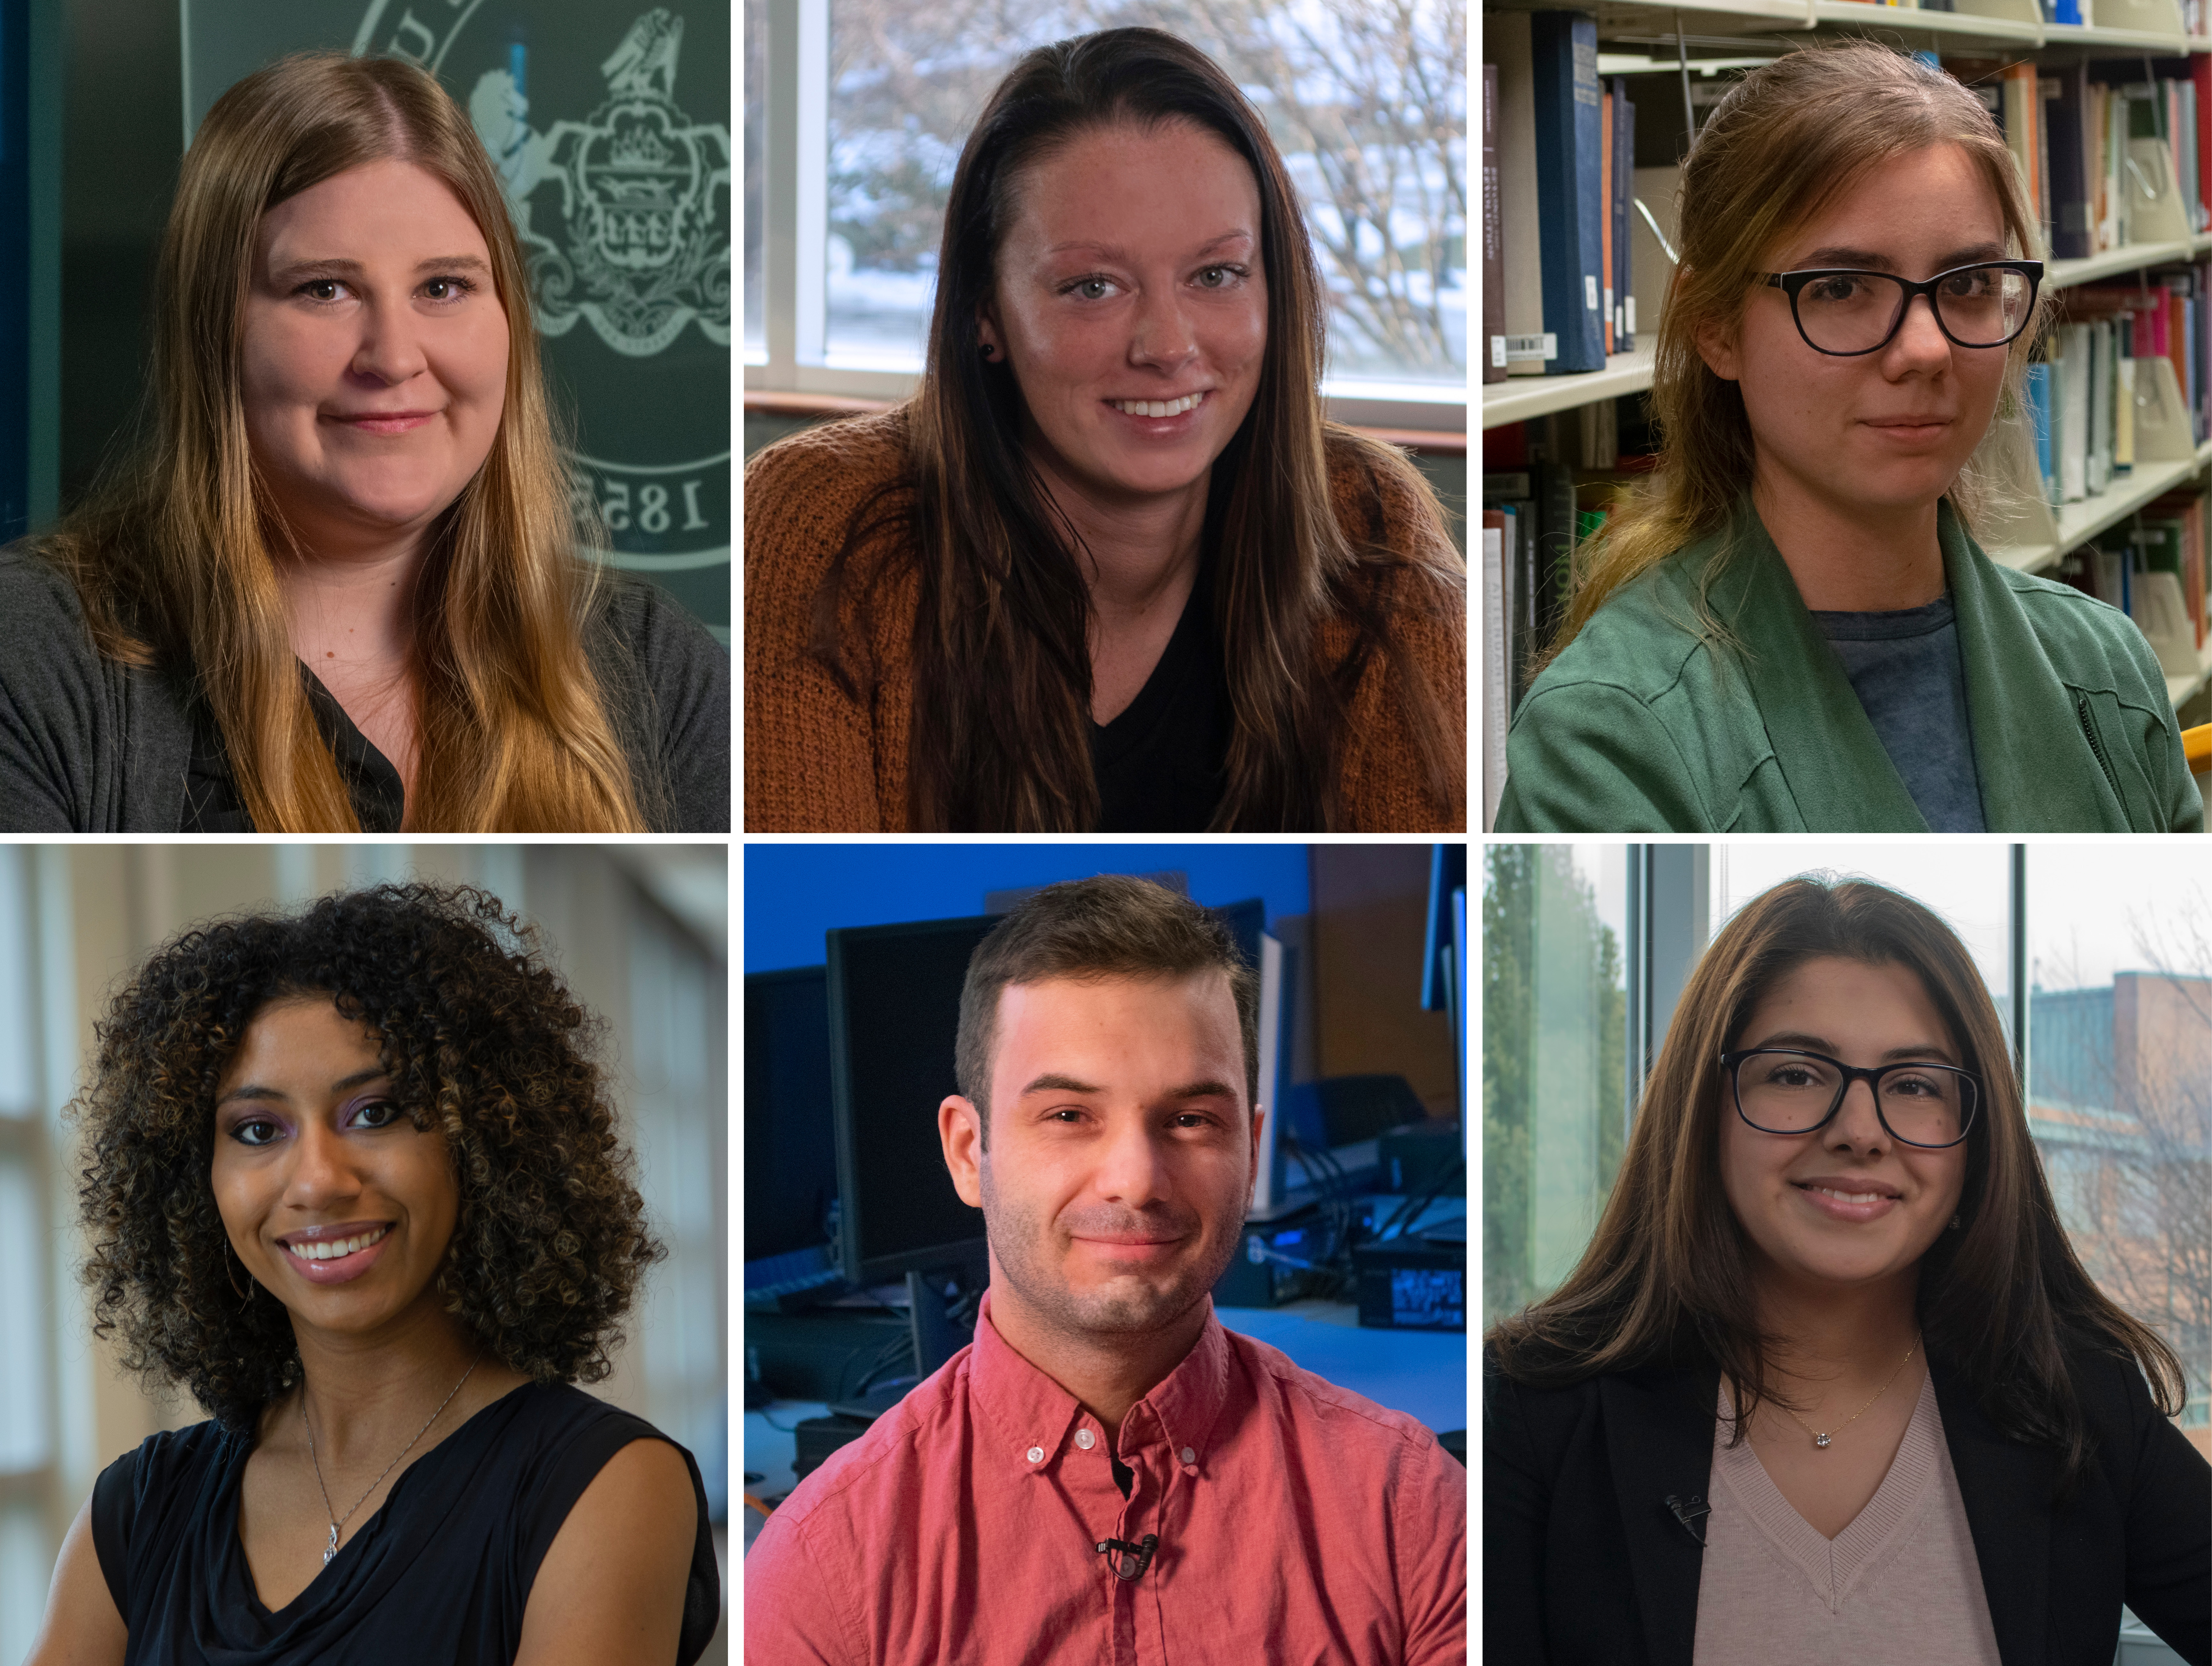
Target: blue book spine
x=1623 y=189
x=2066 y=11
x=2038 y=405
x=1570 y=130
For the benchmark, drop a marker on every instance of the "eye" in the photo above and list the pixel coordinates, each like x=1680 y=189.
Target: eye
x=1914 y=1087
x=255 y=1131
x=1088 y=288
x=459 y=287
x=1219 y=277
x=377 y=1113
x=314 y=288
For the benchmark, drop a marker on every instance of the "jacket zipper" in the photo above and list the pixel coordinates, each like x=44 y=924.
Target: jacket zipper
x=2096 y=746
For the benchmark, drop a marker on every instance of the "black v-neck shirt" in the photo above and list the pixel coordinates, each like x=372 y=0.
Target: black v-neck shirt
x=212 y=803
x=1160 y=763
x=439 y=1575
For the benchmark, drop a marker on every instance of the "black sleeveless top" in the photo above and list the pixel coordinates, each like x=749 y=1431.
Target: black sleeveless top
x=440 y=1573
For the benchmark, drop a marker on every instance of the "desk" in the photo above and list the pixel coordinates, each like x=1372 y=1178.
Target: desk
x=1422 y=1372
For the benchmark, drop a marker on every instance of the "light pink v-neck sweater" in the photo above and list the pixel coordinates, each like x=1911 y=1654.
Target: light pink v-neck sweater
x=1900 y=1586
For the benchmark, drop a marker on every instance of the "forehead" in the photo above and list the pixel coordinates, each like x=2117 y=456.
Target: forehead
x=1915 y=203
x=1831 y=993
x=1119 y=1029
x=1170 y=184
x=386 y=206
x=299 y=1030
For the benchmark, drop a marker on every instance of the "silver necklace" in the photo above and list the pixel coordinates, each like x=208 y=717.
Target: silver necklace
x=1820 y=1440
x=332 y=1548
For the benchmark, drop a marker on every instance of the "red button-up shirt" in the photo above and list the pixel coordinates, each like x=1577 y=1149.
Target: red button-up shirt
x=1297 y=1524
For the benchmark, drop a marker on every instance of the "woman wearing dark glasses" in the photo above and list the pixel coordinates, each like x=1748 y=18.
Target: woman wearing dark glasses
x=1829 y=1383
x=1790 y=625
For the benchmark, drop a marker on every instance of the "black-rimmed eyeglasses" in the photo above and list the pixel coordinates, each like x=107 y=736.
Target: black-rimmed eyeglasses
x=1786 y=1090
x=1845 y=312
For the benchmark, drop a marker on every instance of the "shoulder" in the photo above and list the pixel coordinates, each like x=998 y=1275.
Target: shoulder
x=1367 y=1444
x=1643 y=642
x=42 y=623
x=144 y=1487
x=2091 y=643
x=670 y=649
x=821 y=473
x=1380 y=498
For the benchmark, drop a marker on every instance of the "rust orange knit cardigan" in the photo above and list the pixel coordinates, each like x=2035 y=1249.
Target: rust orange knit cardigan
x=817 y=761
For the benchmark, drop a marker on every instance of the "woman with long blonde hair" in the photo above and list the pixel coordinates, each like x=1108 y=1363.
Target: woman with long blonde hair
x=1108 y=568
x=339 y=588
x=1792 y=626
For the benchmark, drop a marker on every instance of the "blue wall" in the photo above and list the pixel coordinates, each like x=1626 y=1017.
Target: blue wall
x=795 y=892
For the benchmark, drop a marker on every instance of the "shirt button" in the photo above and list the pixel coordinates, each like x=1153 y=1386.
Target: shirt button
x=1085 y=1439
x=1036 y=1454
x=1189 y=1455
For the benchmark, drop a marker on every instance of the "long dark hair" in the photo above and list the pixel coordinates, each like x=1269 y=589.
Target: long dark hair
x=1665 y=1279
x=1001 y=657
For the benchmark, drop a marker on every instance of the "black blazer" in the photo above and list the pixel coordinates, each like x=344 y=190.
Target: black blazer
x=1584 y=1562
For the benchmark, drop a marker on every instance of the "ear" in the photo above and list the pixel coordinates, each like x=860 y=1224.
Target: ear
x=987 y=333
x=1717 y=346
x=960 y=1131
x=1259 y=1119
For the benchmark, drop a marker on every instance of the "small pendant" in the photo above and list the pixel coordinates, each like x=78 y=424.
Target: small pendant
x=332 y=1548
x=1818 y=1440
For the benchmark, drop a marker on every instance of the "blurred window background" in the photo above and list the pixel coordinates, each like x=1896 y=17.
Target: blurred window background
x=640 y=933
x=2106 y=964
x=1366 y=99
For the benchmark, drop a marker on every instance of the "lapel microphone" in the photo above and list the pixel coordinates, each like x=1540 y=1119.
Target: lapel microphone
x=1135 y=1557
x=1690 y=1512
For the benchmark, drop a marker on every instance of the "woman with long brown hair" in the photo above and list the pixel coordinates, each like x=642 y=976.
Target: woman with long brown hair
x=1829 y=1382
x=340 y=587
x=1792 y=626
x=1108 y=568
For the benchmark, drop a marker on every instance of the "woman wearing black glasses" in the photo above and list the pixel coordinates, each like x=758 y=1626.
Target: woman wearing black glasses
x=1790 y=625
x=1829 y=1383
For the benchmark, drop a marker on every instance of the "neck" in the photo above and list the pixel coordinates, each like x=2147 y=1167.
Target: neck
x=1138 y=554
x=367 y=1394
x=1850 y=557
x=1840 y=1334
x=1108 y=1373
x=350 y=604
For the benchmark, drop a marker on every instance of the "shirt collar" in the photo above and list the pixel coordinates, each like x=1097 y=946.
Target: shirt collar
x=1030 y=1413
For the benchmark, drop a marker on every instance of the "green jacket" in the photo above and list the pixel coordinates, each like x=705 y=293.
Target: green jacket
x=1641 y=724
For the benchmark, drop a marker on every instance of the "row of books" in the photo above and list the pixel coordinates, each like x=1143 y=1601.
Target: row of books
x=1559 y=157
x=2081 y=12
x=2108 y=158
x=2153 y=569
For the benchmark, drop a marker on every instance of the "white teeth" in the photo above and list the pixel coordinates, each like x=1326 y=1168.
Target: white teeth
x=1850 y=1196
x=331 y=1248
x=1159 y=407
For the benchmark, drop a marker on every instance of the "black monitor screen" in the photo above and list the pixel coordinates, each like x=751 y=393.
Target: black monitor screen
x=894 y=1007
x=790 y=1153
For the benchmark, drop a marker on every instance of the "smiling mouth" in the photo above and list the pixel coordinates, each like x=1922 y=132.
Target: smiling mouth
x=1157 y=407
x=331 y=1248
x=1850 y=1196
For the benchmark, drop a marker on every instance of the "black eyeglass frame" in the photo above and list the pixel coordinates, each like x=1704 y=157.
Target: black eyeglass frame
x=1791 y=283
x=1848 y=1074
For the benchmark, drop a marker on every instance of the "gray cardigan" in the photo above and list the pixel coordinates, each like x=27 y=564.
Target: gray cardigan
x=87 y=745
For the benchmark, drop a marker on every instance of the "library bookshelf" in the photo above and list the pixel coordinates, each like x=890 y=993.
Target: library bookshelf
x=2123 y=29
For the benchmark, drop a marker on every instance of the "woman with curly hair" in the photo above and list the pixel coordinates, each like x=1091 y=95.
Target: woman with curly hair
x=352 y=1179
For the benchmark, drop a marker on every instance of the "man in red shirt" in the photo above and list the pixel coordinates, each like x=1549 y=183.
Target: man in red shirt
x=1107 y=1474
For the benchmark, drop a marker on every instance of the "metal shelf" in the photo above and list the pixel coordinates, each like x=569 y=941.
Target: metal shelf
x=1520 y=397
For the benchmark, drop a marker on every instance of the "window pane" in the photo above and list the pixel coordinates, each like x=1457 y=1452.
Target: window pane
x=27 y=1562
x=1366 y=99
x=23 y=1339
x=18 y=1056
x=1969 y=885
x=756 y=168
x=1554 y=1086
x=2120 y=1079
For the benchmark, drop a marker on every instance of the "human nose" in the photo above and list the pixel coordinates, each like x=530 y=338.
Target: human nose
x=1857 y=1121
x=390 y=348
x=1163 y=335
x=1920 y=338
x=1130 y=1168
x=322 y=1171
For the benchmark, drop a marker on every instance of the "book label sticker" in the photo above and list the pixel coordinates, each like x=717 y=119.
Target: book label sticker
x=1497 y=350
x=1531 y=349
x=1589 y=291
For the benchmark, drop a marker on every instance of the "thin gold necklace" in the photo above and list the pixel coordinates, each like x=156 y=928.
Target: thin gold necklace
x=1820 y=1439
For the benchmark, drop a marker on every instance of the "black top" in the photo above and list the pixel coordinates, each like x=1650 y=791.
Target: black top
x=1904 y=665
x=90 y=745
x=1159 y=764
x=440 y=1573
x=1584 y=1560
x=212 y=803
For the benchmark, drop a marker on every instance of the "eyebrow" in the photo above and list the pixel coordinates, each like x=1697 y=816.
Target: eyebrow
x=300 y=271
x=1873 y=260
x=1206 y=1087
x=254 y=1090
x=1115 y=252
x=1821 y=1045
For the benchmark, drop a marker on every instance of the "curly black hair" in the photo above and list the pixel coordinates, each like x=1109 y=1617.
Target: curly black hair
x=482 y=1040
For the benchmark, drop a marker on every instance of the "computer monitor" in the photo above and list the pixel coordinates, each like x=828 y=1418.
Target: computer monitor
x=791 y=1155
x=894 y=1005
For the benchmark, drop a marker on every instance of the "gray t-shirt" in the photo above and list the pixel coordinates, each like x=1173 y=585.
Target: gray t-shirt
x=1905 y=667
x=87 y=745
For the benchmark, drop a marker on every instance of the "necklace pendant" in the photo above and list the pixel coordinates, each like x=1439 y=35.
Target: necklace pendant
x=1818 y=1440
x=332 y=1548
